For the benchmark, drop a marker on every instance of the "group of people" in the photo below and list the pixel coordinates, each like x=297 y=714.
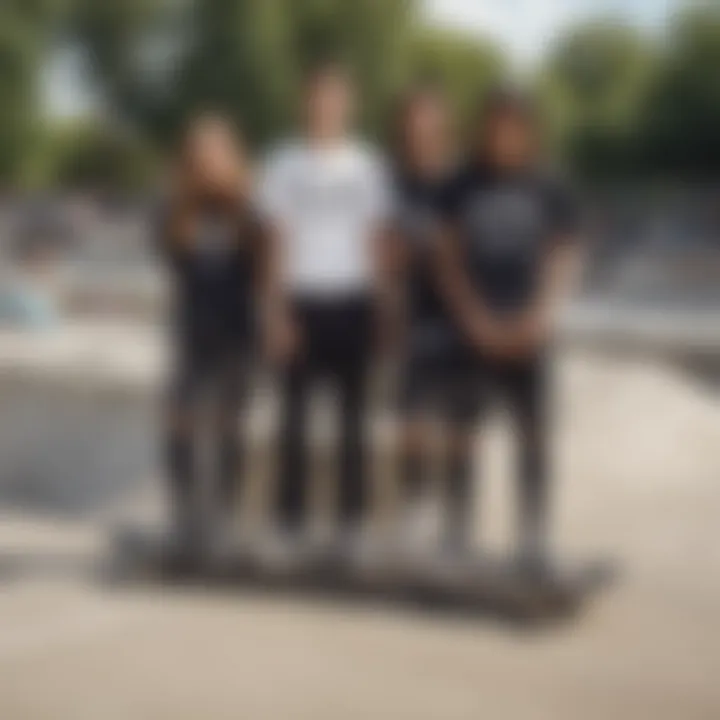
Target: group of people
x=452 y=256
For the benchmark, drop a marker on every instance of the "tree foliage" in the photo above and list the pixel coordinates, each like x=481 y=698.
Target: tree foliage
x=25 y=28
x=465 y=66
x=88 y=154
x=619 y=103
x=159 y=61
x=595 y=83
x=623 y=106
x=681 y=117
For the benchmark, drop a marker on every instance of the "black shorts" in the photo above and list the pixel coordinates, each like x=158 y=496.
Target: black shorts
x=427 y=370
x=479 y=383
x=208 y=367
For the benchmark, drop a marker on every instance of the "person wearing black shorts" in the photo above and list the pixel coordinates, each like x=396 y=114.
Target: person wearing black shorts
x=422 y=167
x=508 y=249
x=209 y=239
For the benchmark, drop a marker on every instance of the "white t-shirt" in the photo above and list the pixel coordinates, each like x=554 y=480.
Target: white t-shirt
x=328 y=203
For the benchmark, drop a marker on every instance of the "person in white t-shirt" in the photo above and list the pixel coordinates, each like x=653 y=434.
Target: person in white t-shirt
x=325 y=197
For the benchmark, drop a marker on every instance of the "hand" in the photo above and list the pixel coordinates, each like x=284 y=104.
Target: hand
x=489 y=336
x=526 y=335
x=389 y=331
x=486 y=336
x=513 y=339
x=282 y=338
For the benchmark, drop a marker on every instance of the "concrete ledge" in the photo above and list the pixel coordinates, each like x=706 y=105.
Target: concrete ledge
x=652 y=331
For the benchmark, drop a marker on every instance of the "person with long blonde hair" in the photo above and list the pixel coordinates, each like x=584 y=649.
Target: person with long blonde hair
x=209 y=238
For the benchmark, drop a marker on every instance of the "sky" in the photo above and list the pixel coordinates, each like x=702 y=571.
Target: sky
x=524 y=28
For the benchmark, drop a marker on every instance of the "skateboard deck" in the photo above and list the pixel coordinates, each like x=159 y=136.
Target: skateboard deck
x=477 y=583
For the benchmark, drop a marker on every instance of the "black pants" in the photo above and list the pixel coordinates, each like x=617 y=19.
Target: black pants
x=336 y=341
x=206 y=399
x=521 y=387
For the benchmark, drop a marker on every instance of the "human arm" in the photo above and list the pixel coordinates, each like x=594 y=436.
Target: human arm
x=559 y=272
x=280 y=334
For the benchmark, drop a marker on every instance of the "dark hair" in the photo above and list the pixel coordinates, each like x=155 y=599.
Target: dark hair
x=502 y=100
x=324 y=68
x=185 y=174
x=505 y=101
x=407 y=100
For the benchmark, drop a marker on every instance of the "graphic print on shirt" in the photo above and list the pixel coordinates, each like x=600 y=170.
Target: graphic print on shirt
x=417 y=221
x=506 y=225
x=326 y=197
x=327 y=203
x=217 y=239
x=503 y=222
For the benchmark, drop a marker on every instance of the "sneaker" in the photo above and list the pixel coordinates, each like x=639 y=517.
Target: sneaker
x=456 y=542
x=281 y=550
x=418 y=527
x=535 y=566
x=187 y=538
x=226 y=536
x=356 y=548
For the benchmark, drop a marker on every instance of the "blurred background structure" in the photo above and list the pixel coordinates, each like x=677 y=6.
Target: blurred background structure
x=93 y=94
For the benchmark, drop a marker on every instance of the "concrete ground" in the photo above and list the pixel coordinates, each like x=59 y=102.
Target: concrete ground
x=639 y=481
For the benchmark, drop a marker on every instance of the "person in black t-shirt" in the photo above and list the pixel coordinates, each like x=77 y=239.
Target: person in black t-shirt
x=422 y=167
x=506 y=257
x=209 y=239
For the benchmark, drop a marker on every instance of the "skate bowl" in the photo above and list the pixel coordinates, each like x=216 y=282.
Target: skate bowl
x=76 y=423
x=80 y=420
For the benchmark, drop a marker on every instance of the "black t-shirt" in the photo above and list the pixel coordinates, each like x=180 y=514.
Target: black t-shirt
x=416 y=220
x=506 y=224
x=212 y=274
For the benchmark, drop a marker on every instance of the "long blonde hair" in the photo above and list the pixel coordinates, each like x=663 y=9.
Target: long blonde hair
x=211 y=165
x=212 y=159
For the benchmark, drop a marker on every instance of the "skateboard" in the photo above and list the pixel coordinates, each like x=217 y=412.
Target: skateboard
x=477 y=583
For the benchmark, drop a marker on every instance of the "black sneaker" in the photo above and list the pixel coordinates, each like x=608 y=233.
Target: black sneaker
x=186 y=543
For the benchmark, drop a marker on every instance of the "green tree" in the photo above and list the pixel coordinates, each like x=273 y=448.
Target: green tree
x=25 y=30
x=90 y=154
x=465 y=65
x=681 y=119
x=594 y=84
x=157 y=61
x=372 y=36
